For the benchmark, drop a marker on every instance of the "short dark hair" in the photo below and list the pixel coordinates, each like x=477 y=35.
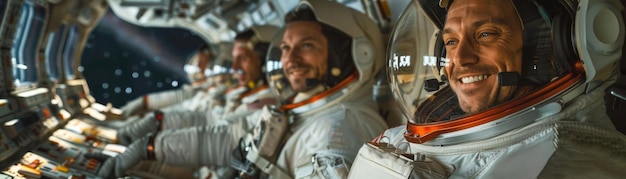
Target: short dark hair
x=245 y=35
x=302 y=14
x=259 y=47
x=205 y=48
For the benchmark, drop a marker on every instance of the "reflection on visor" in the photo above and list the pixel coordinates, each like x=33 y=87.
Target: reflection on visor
x=220 y=70
x=191 y=69
x=403 y=61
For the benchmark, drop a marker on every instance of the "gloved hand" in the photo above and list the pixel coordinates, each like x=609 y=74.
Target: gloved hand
x=133 y=107
x=119 y=164
x=137 y=129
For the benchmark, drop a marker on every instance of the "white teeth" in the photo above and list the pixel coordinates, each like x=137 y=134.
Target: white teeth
x=471 y=79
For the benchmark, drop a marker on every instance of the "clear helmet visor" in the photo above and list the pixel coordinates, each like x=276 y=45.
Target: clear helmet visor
x=222 y=73
x=221 y=68
x=275 y=73
x=414 y=63
x=198 y=66
x=193 y=72
x=472 y=56
x=223 y=62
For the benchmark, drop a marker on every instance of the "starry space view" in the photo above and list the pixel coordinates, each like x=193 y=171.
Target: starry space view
x=122 y=61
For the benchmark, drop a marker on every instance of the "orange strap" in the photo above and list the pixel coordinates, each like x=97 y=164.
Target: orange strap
x=322 y=95
x=420 y=133
x=145 y=102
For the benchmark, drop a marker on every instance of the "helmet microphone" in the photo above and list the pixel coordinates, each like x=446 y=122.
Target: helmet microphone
x=312 y=82
x=508 y=78
x=431 y=85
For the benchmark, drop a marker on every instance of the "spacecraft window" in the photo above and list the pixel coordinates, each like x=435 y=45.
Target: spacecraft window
x=25 y=44
x=69 y=52
x=54 y=51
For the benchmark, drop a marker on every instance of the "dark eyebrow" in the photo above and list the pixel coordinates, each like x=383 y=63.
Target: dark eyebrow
x=476 y=24
x=307 y=38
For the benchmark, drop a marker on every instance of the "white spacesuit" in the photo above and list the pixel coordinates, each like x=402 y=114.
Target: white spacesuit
x=499 y=89
x=322 y=69
x=204 y=108
x=217 y=81
x=196 y=135
x=221 y=75
x=196 y=68
x=330 y=114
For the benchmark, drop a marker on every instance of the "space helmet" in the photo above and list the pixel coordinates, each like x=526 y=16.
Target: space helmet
x=466 y=70
x=221 y=68
x=344 y=54
x=198 y=65
x=252 y=43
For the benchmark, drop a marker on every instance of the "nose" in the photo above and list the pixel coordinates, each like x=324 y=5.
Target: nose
x=465 y=53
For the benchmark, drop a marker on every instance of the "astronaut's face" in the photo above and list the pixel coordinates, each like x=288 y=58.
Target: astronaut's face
x=246 y=63
x=197 y=66
x=482 y=38
x=204 y=58
x=304 y=53
x=203 y=61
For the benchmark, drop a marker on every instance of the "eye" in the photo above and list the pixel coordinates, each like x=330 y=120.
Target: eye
x=284 y=48
x=487 y=34
x=307 y=45
x=451 y=42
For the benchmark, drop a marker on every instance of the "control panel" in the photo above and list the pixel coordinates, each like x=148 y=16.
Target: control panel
x=43 y=140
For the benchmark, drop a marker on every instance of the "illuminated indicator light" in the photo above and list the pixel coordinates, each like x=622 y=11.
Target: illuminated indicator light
x=62 y=169
x=46 y=113
x=34 y=164
x=159 y=116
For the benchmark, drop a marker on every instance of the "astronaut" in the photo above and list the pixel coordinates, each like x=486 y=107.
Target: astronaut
x=196 y=69
x=501 y=89
x=329 y=118
x=195 y=134
x=222 y=79
x=322 y=69
x=204 y=107
x=217 y=81
x=249 y=51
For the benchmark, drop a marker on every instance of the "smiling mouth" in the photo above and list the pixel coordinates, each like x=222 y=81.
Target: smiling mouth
x=297 y=70
x=472 y=79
